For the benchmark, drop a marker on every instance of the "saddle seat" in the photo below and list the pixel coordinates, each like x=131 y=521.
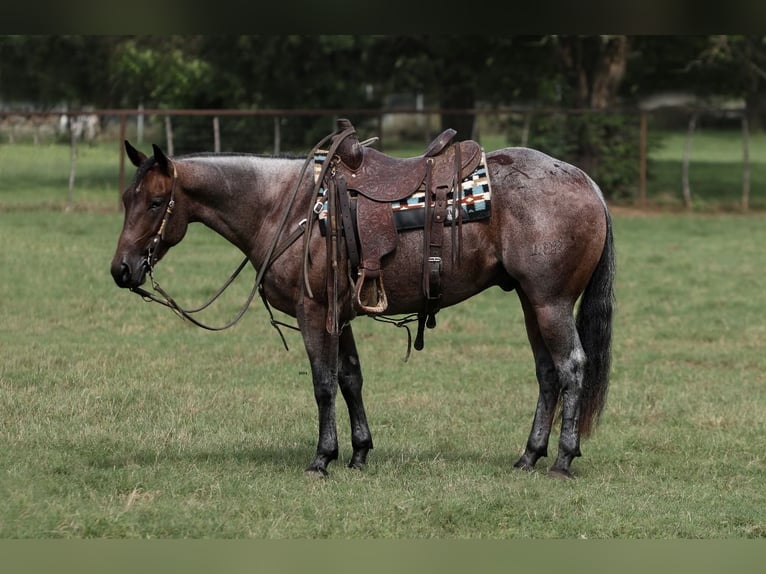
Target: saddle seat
x=384 y=178
x=378 y=180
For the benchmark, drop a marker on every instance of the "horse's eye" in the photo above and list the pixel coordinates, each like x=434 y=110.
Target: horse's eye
x=156 y=202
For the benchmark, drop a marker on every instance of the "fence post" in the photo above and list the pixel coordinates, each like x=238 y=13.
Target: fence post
x=121 y=152
x=169 y=134
x=216 y=135
x=745 y=163
x=687 y=193
x=140 y=124
x=72 y=163
x=642 y=163
x=277 y=135
x=380 y=132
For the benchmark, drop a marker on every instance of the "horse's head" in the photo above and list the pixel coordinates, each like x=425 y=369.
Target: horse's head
x=154 y=218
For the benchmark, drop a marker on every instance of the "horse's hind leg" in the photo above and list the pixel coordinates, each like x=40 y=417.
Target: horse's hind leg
x=350 y=381
x=548 y=382
x=556 y=327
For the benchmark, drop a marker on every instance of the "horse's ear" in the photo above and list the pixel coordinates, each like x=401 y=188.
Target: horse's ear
x=136 y=157
x=161 y=159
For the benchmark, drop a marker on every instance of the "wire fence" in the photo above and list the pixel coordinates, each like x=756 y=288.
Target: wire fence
x=277 y=131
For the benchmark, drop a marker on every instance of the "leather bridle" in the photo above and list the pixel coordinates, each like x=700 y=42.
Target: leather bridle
x=274 y=251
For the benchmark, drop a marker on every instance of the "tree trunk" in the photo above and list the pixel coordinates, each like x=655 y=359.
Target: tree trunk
x=594 y=67
x=609 y=70
x=457 y=93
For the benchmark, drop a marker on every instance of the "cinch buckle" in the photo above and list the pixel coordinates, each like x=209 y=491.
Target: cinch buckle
x=318 y=206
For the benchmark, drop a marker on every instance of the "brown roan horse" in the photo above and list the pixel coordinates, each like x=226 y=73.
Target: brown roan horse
x=549 y=238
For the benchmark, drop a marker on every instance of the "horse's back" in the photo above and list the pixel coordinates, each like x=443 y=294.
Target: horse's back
x=549 y=220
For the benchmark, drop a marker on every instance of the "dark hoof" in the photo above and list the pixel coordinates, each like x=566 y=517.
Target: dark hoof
x=316 y=471
x=561 y=473
x=527 y=461
x=358 y=460
x=523 y=465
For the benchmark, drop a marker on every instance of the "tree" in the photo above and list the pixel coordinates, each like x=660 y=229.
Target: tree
x=53 y=70
x=604 y=144
x=447 y=69
x=736 y=66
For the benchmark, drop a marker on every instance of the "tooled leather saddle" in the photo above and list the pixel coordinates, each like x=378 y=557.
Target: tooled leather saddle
x=373 y=180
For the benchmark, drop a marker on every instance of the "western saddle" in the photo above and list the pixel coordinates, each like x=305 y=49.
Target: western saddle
x=372 y=180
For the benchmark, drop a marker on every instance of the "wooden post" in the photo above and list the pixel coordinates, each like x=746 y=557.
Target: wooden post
x=642 y=161
x=169 y=135
x=216 y=135
x=745 y=163
x=685 y=168
x=121 y=151
x=380 y=132
x=277 y=135
x=72 y=164
x=140 y=124
x=525 y=129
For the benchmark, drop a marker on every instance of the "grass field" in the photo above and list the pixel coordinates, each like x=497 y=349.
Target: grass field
x=117 y=420
x=37 y=176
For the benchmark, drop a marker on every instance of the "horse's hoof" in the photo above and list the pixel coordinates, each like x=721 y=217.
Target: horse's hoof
x=317 y=472
x=358 y=461
x=560 y=473
x=524 y=466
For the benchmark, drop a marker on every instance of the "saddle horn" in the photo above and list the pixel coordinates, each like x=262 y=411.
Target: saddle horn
x=350 y=150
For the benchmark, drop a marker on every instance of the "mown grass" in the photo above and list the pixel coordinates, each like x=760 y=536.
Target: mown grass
x=36 y=176
x=117 y=420
x=715 y=170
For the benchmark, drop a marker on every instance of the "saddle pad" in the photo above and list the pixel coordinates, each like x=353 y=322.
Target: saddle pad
x=409 y=213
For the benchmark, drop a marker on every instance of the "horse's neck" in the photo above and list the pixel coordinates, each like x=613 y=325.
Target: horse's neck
x=239 y=197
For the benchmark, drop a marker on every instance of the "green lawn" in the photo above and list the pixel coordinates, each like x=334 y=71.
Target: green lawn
x=715 y=170
x=118 y=420
x=37 y=176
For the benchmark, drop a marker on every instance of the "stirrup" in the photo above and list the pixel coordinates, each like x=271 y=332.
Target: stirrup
x=380 y=303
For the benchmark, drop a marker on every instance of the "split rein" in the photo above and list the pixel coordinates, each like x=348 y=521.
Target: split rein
x=273 y=253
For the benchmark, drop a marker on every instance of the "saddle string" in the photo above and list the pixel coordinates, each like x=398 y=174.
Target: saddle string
x=401 y=323
x=273 y=253
x=315 y=208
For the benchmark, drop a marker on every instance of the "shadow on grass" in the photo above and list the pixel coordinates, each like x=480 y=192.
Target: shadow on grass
x=293 y=458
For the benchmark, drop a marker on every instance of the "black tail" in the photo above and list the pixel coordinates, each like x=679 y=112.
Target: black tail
x=594 y=325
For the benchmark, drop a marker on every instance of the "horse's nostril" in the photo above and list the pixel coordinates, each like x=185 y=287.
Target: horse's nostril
x=121 y=274
x=125 y=273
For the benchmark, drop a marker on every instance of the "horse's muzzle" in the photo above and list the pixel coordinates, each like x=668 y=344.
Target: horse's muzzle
x=127 y=276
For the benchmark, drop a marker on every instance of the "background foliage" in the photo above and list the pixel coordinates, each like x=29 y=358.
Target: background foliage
x=451 y=72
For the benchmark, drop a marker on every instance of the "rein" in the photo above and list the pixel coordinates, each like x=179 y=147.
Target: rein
x=273 y=253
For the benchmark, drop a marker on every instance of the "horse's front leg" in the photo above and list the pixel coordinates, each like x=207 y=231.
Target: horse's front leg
x=350 y=380
x=322 y=350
